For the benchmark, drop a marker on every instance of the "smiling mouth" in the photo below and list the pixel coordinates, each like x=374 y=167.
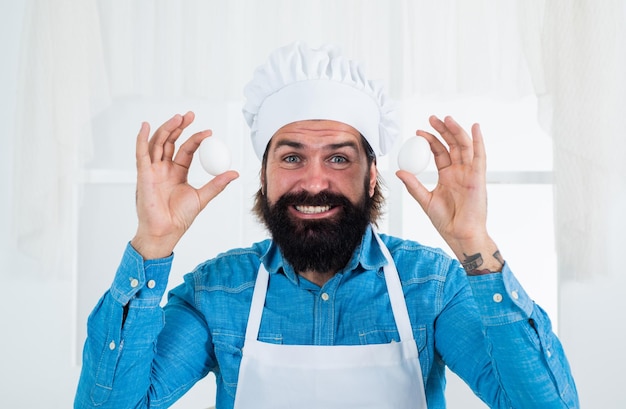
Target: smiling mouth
x=312 y=209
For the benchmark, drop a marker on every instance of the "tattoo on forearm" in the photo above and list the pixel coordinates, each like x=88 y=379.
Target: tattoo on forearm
x=472 y=263
x=498 y=257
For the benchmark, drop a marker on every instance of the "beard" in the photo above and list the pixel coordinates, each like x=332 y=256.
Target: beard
x=317 y=245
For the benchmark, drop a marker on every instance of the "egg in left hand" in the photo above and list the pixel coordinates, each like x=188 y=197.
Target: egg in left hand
x=214 y=156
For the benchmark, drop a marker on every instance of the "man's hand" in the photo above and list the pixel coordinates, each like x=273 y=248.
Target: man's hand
x=166 y=203
x=457 y=206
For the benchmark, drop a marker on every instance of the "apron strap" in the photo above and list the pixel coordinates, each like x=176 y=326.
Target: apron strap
x=258 y=301
x=396 y=295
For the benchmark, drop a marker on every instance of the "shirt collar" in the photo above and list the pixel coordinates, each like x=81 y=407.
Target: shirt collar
x=368 y=255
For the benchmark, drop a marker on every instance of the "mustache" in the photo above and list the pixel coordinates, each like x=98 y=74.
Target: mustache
x=323 y=198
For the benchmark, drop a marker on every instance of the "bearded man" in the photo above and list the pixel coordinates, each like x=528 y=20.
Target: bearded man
x=328 y=313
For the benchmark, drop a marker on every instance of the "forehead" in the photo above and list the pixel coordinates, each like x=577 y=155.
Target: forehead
x=311 y=130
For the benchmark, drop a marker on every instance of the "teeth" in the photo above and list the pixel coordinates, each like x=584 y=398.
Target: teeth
x=312 y=209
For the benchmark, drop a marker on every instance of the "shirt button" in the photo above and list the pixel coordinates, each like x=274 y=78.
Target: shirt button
x=325 y=296
x=112 y=345
x=514 y=294
x=497 y=297
x=151 y=284
x=549 y=353
x=134 y=282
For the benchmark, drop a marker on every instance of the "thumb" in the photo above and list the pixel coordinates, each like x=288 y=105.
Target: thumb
x=415 y=188
x=215 y=186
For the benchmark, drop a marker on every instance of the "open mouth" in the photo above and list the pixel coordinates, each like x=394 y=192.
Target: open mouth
x=312 y=209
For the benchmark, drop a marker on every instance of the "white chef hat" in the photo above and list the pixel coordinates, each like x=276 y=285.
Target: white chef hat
x=301 y=83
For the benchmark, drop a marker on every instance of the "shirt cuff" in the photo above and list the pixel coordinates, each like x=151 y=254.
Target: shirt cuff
x=500 y=298
x=142 y=281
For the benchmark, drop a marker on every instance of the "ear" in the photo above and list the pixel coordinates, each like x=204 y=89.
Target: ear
x=373 y=178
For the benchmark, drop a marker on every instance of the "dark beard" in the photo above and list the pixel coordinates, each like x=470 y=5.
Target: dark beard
x=317 y=245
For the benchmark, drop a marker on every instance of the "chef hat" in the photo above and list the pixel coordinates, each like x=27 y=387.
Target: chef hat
x=301 y=83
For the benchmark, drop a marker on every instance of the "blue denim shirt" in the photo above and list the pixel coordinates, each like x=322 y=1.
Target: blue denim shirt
x=484 y=328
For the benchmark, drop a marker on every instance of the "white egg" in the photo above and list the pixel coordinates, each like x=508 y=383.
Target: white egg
x=214 y=155
x=414 y=155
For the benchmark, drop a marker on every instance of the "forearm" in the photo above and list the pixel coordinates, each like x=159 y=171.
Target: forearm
x=526 y=357
x=122 y=334
x=113 y=360
x=478 y=255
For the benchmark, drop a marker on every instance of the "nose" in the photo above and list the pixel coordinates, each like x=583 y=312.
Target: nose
x=315 y=177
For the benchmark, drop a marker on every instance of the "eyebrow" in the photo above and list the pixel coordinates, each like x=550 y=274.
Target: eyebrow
x=332 y=146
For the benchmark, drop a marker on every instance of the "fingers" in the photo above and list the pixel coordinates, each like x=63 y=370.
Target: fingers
x=459 y=143
x=480 y=155
x=163 y=143
x=461 y=149
x=142 y=154
x=439 y=150
x=185 y=153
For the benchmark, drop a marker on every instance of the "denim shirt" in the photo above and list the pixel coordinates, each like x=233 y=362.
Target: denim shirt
x=484 y=328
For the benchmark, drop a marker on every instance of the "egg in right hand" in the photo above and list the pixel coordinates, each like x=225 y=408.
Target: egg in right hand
x=414 y=155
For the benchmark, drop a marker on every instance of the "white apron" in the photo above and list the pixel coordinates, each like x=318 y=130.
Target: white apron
x=312 y=376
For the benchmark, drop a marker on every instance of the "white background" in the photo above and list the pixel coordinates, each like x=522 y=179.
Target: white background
x=44 y=318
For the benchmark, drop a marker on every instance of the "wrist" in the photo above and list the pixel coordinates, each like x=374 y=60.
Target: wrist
x=479 y=256
x=151 y=248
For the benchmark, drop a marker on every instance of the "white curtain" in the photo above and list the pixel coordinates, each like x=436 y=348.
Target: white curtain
x=62 y=84
x=584 y=54
x=81 y=54
x=209 y=48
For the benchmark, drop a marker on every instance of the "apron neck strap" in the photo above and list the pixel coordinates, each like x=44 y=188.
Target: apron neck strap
x=258 y=301
x=396 y=295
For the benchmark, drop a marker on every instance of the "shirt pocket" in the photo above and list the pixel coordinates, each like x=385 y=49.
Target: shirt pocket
x=228 y=346
x=379 y=336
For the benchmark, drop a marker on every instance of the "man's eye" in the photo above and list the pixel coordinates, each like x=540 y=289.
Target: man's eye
x=338 y=159
x=291 y=159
